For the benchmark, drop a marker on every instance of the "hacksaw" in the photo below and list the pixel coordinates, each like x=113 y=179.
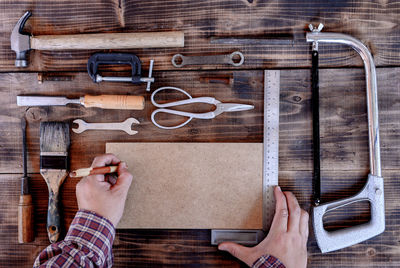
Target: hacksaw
x=270 y=167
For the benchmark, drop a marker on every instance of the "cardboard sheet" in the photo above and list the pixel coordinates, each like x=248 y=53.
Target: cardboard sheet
x=192 y=185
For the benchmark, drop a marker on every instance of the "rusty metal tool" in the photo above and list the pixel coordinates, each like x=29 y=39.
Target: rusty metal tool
x=373 y=189
x=22 y=42
x=236 y=59
x=25 y=205
x=124 y=126
x=121 y=59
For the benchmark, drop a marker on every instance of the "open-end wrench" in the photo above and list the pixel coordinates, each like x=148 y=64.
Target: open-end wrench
x=124 y=126
x=178 y=60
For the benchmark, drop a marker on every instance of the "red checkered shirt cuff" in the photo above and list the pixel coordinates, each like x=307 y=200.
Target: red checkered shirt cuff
x=268 y=261
x=94 y=233
x=88 y=243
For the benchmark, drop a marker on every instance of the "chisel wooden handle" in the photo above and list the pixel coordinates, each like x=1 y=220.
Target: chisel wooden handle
x=122 y=102
x=25 y=219
x=108 y=41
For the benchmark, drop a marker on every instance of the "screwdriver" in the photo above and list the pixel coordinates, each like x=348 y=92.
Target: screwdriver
x=25 y=206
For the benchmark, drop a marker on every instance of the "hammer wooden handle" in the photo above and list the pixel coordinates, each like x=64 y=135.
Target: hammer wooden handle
x=108 y=41
x=121 y=102
x=25 y=219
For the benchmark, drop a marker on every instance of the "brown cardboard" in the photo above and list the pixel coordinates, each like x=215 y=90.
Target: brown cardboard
x=192 y=185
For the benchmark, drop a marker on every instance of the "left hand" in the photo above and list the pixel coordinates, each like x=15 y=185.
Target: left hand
x=287 y=237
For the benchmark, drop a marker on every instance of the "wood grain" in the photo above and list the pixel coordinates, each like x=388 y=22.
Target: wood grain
x=344 y=142
x=343 y=111
x=182 y=248
x=373 y=22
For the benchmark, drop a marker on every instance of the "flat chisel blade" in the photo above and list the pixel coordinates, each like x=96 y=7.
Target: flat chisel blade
x=44 y=101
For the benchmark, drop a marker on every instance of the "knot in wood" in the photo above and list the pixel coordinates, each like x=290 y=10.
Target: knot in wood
x=35 y=114
x=371 y=252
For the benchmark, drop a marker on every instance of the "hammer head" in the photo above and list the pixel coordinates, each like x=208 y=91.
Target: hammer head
x=20 y=41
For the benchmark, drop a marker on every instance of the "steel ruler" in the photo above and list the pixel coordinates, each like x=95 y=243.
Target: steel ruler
x=270 y=166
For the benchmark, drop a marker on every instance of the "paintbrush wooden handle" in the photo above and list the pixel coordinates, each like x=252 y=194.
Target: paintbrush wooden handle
x=93 y=171
x=25 y=219
x=121 y=102
x=54 y=178
x=53 y=218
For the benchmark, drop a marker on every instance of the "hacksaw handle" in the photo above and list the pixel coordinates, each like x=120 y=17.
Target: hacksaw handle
x=120 y=102
x=108 y=41
x=53 y=218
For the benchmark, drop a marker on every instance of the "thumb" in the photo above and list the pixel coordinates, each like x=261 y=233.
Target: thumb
x=124 y=177
x=241 y=252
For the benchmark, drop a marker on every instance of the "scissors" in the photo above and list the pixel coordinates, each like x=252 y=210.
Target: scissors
x=220 y=107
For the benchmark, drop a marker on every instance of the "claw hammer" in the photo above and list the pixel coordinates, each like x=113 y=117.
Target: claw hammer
x=22 y=42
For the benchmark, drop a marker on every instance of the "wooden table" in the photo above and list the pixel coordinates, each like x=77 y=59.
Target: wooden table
x=344 y=143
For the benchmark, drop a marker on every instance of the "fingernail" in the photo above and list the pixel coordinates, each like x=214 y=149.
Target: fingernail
x=279 y=188
x=221 y=247
x=124 y=165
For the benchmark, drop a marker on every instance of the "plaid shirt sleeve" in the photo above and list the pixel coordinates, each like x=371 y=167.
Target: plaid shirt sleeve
x=88 y=243
x=268 y=261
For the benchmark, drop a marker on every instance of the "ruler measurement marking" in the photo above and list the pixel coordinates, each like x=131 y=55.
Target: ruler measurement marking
x=271 y=143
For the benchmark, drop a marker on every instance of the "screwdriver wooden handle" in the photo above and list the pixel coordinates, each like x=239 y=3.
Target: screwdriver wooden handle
x=108 y=41
x=121 y=102
x=25 y=219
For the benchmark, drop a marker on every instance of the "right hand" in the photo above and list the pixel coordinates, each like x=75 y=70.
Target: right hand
x=287 y=238
x=96 y=194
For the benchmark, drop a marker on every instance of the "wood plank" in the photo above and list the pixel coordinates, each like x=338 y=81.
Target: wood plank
x=372 y=22
x=193 y=185
x=180 y=248
x=344 y=142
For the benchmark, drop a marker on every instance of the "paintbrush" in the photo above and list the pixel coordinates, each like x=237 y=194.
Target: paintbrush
x=54 y=144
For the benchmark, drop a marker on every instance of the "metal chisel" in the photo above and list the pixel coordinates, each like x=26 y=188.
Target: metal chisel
x=123 y=102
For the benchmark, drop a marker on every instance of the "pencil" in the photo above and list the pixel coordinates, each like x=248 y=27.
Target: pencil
x=93 y=171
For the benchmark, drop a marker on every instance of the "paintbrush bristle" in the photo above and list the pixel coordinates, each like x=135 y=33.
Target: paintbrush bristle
x=54 y=137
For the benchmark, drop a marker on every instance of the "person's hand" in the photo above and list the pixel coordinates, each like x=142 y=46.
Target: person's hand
x=97 y=194
x=286 y=240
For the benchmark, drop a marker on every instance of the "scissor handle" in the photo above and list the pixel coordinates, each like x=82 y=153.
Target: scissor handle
x=185 y=114
x=208 y=100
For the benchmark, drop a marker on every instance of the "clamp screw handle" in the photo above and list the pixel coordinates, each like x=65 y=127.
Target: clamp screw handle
x=150 y=74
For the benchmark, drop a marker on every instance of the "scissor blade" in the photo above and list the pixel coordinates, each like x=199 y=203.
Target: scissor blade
x=235 y=107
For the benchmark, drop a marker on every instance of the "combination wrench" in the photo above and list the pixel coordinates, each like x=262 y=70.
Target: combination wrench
x=178 y=60
x=124 y=126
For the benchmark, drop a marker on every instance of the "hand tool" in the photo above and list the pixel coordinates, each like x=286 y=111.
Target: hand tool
x=373 y=189
x=124 y=126
x=119 y=58
x=25 y=206
x=270 y=167
x=54 y=144
x=220 y=107
x=116 y=102
x=83 y=172
x=315 y=112
x=236 y=59
x=22 y=42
